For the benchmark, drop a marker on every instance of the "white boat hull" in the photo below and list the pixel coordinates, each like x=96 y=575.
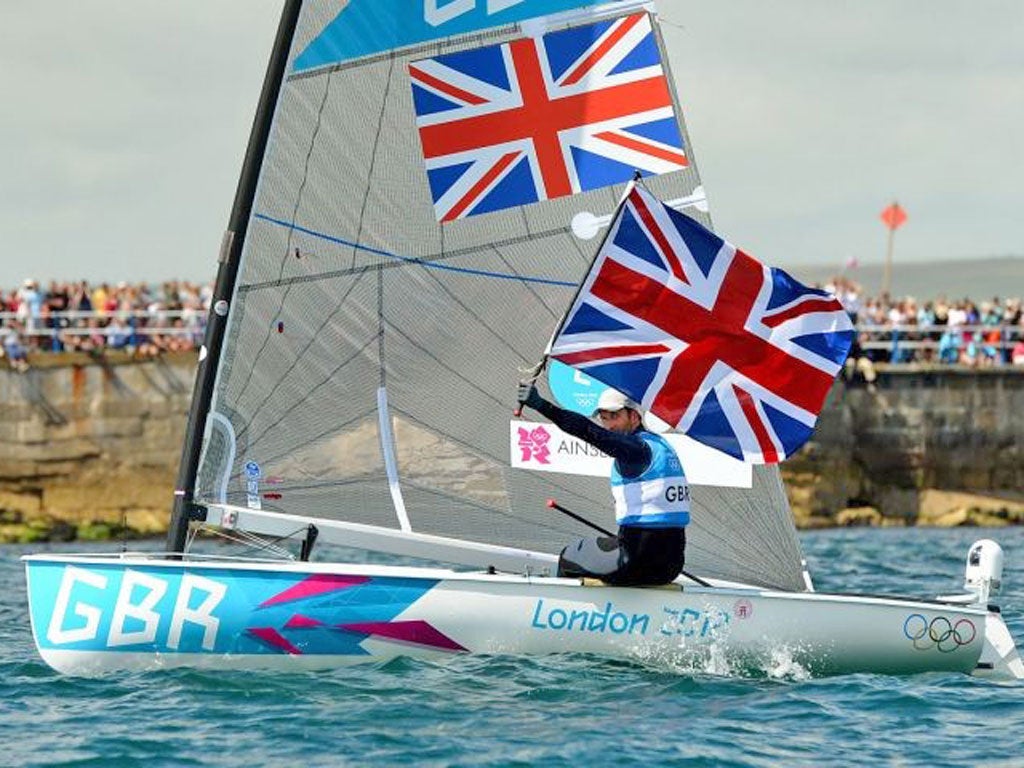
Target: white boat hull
x=92 y=615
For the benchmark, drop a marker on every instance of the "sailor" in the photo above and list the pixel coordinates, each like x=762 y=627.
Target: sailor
x=652 y=498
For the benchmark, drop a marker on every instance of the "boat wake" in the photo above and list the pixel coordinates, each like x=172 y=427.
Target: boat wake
x=720 y=659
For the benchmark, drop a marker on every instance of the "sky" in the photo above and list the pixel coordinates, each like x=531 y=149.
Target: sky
x=124 y=126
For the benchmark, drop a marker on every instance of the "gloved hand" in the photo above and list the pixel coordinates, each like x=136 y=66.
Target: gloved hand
x=528 y=395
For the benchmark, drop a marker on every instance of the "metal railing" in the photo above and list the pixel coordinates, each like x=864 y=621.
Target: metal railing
x=131 y=328
x=938 y=343
x=118 y=329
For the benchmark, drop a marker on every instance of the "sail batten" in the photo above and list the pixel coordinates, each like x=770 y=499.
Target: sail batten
x=373 y=264
x=387 y=447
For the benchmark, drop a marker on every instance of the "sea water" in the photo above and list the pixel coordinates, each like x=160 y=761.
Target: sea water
x=551 y=711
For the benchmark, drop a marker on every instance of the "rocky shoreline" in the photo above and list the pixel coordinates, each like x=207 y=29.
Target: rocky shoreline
x=939 y=509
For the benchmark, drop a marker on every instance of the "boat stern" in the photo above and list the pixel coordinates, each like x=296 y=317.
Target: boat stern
x=983 y=576
x=1000 y=659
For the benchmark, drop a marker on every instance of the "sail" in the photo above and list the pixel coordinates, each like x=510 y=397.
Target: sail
x=409 y=248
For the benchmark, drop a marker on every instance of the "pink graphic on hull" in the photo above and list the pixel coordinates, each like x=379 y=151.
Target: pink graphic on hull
x=317 y=584
x=298 y=621
x=416 y=632
x=275 y=639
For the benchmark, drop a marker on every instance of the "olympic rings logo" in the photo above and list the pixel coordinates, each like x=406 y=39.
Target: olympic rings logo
x=939 y=633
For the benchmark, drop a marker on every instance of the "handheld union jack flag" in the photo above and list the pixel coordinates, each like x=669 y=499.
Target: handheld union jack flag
x=735 y=354
x=539 y=118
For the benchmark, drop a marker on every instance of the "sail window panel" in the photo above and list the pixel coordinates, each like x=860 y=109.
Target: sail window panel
x=441 y=515
x=294 y=397
x=341 y=456
x=363 y=500
x=589 y=497
x=453 y=351
x=745 y=535
x=288 y=427
x=339 y=475
x=427 y=459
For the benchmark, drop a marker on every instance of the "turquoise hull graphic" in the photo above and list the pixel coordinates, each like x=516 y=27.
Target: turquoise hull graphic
x=165 y=609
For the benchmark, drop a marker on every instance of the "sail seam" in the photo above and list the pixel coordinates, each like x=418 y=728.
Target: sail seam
x=333 y=428
x=328 y=378
x=405 y=260
x=288 y=244
x=494 y=510
x=533 y=292
x=299 y=355
x=373 y=157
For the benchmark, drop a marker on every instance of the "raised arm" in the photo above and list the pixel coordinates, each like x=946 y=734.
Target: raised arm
x=630 y=451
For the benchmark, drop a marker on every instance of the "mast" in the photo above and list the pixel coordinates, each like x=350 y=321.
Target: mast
x=185 y=509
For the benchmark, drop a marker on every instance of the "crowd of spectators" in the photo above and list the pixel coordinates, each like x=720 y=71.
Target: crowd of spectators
x=147 y=320
x=940 y=331
x=140 y=319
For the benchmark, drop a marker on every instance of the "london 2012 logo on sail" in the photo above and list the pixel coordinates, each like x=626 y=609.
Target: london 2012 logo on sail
x=533 y=443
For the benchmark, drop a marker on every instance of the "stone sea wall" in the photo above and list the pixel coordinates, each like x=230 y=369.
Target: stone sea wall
x=89 y=448
x=923 y=445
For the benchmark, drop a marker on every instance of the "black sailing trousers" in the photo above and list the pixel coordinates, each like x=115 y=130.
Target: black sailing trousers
x=638 y=556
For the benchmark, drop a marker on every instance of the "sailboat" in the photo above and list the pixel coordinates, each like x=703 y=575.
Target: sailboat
x=420 y=199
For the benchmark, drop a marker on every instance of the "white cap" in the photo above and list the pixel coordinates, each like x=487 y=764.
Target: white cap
x=613 y=400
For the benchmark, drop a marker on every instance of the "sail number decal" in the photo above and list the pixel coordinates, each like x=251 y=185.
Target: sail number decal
x=95 y=610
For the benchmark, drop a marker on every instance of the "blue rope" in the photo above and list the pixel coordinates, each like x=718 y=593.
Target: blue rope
x=411 y=260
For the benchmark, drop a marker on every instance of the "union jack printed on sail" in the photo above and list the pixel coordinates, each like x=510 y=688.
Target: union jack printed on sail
x=736 y=354
x=539 y=118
